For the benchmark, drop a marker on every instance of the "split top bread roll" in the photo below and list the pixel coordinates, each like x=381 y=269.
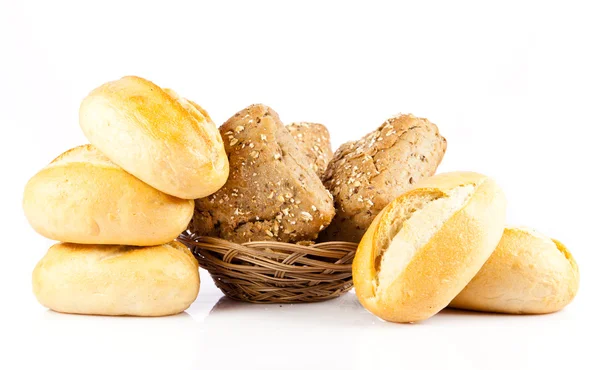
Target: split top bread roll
x=426 y=245
x=165 y=140
x=366 y=175
x=528 y=273
x=117 y=280
x=83 y=197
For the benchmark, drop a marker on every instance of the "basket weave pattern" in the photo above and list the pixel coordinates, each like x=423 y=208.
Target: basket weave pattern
x=274 y=272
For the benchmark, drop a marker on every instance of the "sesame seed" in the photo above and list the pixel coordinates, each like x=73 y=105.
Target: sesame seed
x=263 y=137
x=239 y=129
x=307 y=216
x=269 y=233
x=254 y=154
x=271 y=195
x=280 y=198
x=313 y=208
x=233 y=141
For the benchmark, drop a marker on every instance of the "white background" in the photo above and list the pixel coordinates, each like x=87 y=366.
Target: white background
x=514 y=87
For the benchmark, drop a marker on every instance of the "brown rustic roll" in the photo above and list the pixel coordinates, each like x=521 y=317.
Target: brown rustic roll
x=272 y=193
x=314 y=140
x=366 y=175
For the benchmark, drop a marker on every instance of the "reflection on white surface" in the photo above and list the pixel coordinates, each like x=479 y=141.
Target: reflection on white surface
x=220 y=333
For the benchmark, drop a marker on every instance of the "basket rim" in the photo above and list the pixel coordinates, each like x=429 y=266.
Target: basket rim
x=272 y=271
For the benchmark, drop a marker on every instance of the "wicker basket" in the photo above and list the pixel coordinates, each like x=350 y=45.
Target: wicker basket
x=273 y=272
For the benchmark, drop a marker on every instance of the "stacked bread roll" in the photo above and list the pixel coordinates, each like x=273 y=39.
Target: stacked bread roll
x=118 y=204
x=157 y=165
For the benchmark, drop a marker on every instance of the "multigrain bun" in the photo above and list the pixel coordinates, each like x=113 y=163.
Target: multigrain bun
x=83 y=197
x=528 y=273
x=313 y=139
x=366 y=175
x=117 y=280
x=426 y=245
x=272 y=193
x=165 y=140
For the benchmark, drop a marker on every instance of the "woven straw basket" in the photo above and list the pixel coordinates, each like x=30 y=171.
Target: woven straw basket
x=274 y=272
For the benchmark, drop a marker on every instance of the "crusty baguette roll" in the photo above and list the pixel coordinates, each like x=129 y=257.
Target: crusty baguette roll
x=365 y=175
x=163 y=139
x=425 y=246
x=117 y=280
x=82 y=197
x=528 y=273
x=314 y=140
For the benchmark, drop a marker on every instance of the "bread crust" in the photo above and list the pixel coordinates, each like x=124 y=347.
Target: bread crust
x=366 y=175
x=117 y=280
x=82 y=197
x=442 y=266
x=161 y=138
x=313 y=139
x=528 y=273
x=272 y=193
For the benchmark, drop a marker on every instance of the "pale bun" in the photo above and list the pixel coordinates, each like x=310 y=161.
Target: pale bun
x=424 y=247
x=163 y=139
x=117 y=280
x=82 y=197
x=528 y=273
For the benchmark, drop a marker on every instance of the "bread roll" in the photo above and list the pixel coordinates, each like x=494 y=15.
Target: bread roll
x=272 y=193
x=528 y=273
x=166 y=141
x=82 y=197
x=426 y=245
x=313 y=139
x=366 y=175
x=117 y=280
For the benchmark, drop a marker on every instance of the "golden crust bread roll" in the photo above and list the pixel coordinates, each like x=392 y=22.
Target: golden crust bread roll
x=117 y=280
x=528 y=273
x=424 y=247
x=165 y=140
x=82 y=197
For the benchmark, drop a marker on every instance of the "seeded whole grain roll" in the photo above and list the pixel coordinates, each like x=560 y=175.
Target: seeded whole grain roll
x=366 y=175
x=272 y=194
x=314 y=140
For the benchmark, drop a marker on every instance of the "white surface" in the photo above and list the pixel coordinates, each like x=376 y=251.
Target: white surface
x=512 y=86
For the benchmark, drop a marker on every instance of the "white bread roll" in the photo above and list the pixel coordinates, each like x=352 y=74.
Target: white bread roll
x=166 y=141
x=117 y=280
x=528 y=273
x=82 y=197
x=425 y=246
